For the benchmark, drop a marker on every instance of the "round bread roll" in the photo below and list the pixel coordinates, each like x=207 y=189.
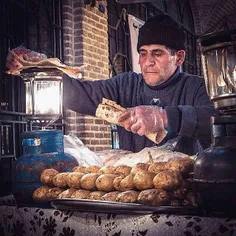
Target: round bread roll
x=53 y=193
x=88 y=181
x=183 y=165
x=123 y=170
x=92 y=169
x=168 y=180
x=111 y=196
x=139 y=167
x=124 y=183
x=105 y=182
x=179 y=193
x=143 y=180
x=81 y=169
x=129 y=196
x=40 y=194
x=60 y=180
x=117 y=181
x=127 y=183
x=96 y=195
x=80 y=194
x=157 y=167
x=47 y=176
x=67 y=193
x=74 y=179
x=154 y=197
x=107 y=170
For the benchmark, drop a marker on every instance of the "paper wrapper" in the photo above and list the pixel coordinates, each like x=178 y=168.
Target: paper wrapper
x=110 y=111
x=51 y=63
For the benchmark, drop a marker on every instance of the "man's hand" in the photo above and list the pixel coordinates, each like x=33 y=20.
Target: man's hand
x=13 y=64
x=143 y=120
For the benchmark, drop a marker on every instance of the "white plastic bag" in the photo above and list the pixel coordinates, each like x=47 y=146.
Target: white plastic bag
x=75 y=147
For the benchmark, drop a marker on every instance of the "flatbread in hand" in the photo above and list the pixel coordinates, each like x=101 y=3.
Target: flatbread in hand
x=110 y=111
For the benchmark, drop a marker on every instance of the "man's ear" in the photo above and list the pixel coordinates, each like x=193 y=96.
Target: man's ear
x=180 y=56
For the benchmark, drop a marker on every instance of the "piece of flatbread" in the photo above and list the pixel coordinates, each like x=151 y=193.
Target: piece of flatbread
x=110 y=111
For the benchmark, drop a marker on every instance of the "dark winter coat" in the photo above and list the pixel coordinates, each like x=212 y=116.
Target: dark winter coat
x=183 y=96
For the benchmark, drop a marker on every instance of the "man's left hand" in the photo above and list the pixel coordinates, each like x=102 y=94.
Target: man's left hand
x=143 y=120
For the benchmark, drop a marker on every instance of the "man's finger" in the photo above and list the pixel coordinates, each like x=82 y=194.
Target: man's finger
x=124 y=116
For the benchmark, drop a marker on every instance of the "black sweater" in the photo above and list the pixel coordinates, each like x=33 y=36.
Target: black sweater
x=183 y=96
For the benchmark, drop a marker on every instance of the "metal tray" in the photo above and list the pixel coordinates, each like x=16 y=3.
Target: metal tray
x=72 y=204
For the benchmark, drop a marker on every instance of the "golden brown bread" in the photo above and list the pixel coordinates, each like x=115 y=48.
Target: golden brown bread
x=167 y=180
x=105 y=182
x=73 y=179
x=123 y=170
x=79 y=169
x=53 y=193
x=110 y=196
x=88 y=181
x=47 y=176
x=67 y=193
x=157 y=167
x=96 y=195
x=179 y=193
x=60 y=180
x=40 y=194
x=139 y=167
x=92 y=169
x=183 y=165
x=107 y=170
x=147 y=183
x=129 y=196
x=124 y=183
x=143 y=180
x=117 y=181
x=154 y=197
x=80 y=194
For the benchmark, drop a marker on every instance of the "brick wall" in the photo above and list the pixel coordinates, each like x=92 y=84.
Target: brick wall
x=86 y=42
x=212 y=15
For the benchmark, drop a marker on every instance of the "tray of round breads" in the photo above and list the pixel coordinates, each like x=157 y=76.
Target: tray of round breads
x=161 y=187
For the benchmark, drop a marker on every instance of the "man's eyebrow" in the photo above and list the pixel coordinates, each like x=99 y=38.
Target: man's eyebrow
x=151 y=51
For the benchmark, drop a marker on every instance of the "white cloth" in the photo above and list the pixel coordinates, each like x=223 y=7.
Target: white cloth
x=134 y=25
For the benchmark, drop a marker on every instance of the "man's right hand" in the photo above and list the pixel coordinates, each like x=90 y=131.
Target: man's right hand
x=13 y=64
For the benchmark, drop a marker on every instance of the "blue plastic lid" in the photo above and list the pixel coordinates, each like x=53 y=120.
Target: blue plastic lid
x=42 y=141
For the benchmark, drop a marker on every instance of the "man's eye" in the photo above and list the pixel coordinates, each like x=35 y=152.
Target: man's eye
x=157 y=54
x=142 y=54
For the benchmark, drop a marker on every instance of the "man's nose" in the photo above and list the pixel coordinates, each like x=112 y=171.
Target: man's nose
x=150 y=59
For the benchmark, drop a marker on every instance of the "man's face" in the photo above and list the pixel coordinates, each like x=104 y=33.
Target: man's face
x=157 y=63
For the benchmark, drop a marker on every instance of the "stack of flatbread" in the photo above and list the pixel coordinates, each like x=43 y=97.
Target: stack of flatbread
x=110 y=111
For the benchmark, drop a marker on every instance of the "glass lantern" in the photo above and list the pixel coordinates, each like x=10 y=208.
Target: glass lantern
x=43 y=94
x=218 y=52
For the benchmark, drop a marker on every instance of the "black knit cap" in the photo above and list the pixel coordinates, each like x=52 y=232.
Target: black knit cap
x=162 y=29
